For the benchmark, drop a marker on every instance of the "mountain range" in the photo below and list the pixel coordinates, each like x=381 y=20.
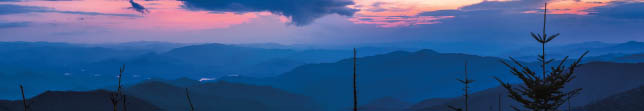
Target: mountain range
x=407 y=76
x=402 y=77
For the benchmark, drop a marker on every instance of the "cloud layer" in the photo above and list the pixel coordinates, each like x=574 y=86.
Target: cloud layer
x=622 y=10
x=301 y=12
x=17 y=9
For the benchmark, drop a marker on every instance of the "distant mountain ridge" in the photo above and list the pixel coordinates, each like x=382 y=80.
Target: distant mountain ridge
x=596 y=48
x=94 y=65
x=630 y=100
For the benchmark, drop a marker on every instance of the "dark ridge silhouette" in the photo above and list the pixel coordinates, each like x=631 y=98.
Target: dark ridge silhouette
x=221 y=96
x=403 y=74
x=545 y=92
x=478 y=100
x=385 y=104
x=615 y=77
x=75 y=101
x=173 y=98
x=274 y=99
x=630 y=100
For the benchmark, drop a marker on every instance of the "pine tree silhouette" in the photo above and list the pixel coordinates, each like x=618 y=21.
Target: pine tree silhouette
x=542 y=93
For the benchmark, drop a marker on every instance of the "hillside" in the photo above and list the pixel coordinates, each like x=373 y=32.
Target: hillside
x=630 y=100
x=76 y=101
x=403 y=75
x=598 y=80
x=221 y=96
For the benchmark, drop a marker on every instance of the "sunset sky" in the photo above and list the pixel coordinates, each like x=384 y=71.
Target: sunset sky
x=321 y=22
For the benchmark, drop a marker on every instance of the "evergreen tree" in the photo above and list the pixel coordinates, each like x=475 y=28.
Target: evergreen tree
x=542 y=93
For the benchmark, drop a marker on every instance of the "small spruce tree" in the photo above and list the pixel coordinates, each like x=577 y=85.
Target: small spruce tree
x=542 y=93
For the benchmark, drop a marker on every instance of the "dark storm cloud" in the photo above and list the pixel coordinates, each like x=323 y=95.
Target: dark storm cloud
x=138 y=7
x=301 y=12
x=623 y=10
x=17 y=9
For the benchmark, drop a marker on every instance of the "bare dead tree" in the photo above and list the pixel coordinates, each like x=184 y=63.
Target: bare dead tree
x=192 y=108
x=466 y=82
x=27 y=105
x=116 y=97
x=355 y=90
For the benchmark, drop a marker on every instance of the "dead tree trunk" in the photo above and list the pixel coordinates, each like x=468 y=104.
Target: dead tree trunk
x=118 y=96
x=192 y=108
x=24 y=100
x=355 y=90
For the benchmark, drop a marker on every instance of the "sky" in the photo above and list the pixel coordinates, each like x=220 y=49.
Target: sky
x=319 y=22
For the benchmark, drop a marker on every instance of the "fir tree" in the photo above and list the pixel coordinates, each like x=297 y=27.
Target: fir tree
x=542 y=93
